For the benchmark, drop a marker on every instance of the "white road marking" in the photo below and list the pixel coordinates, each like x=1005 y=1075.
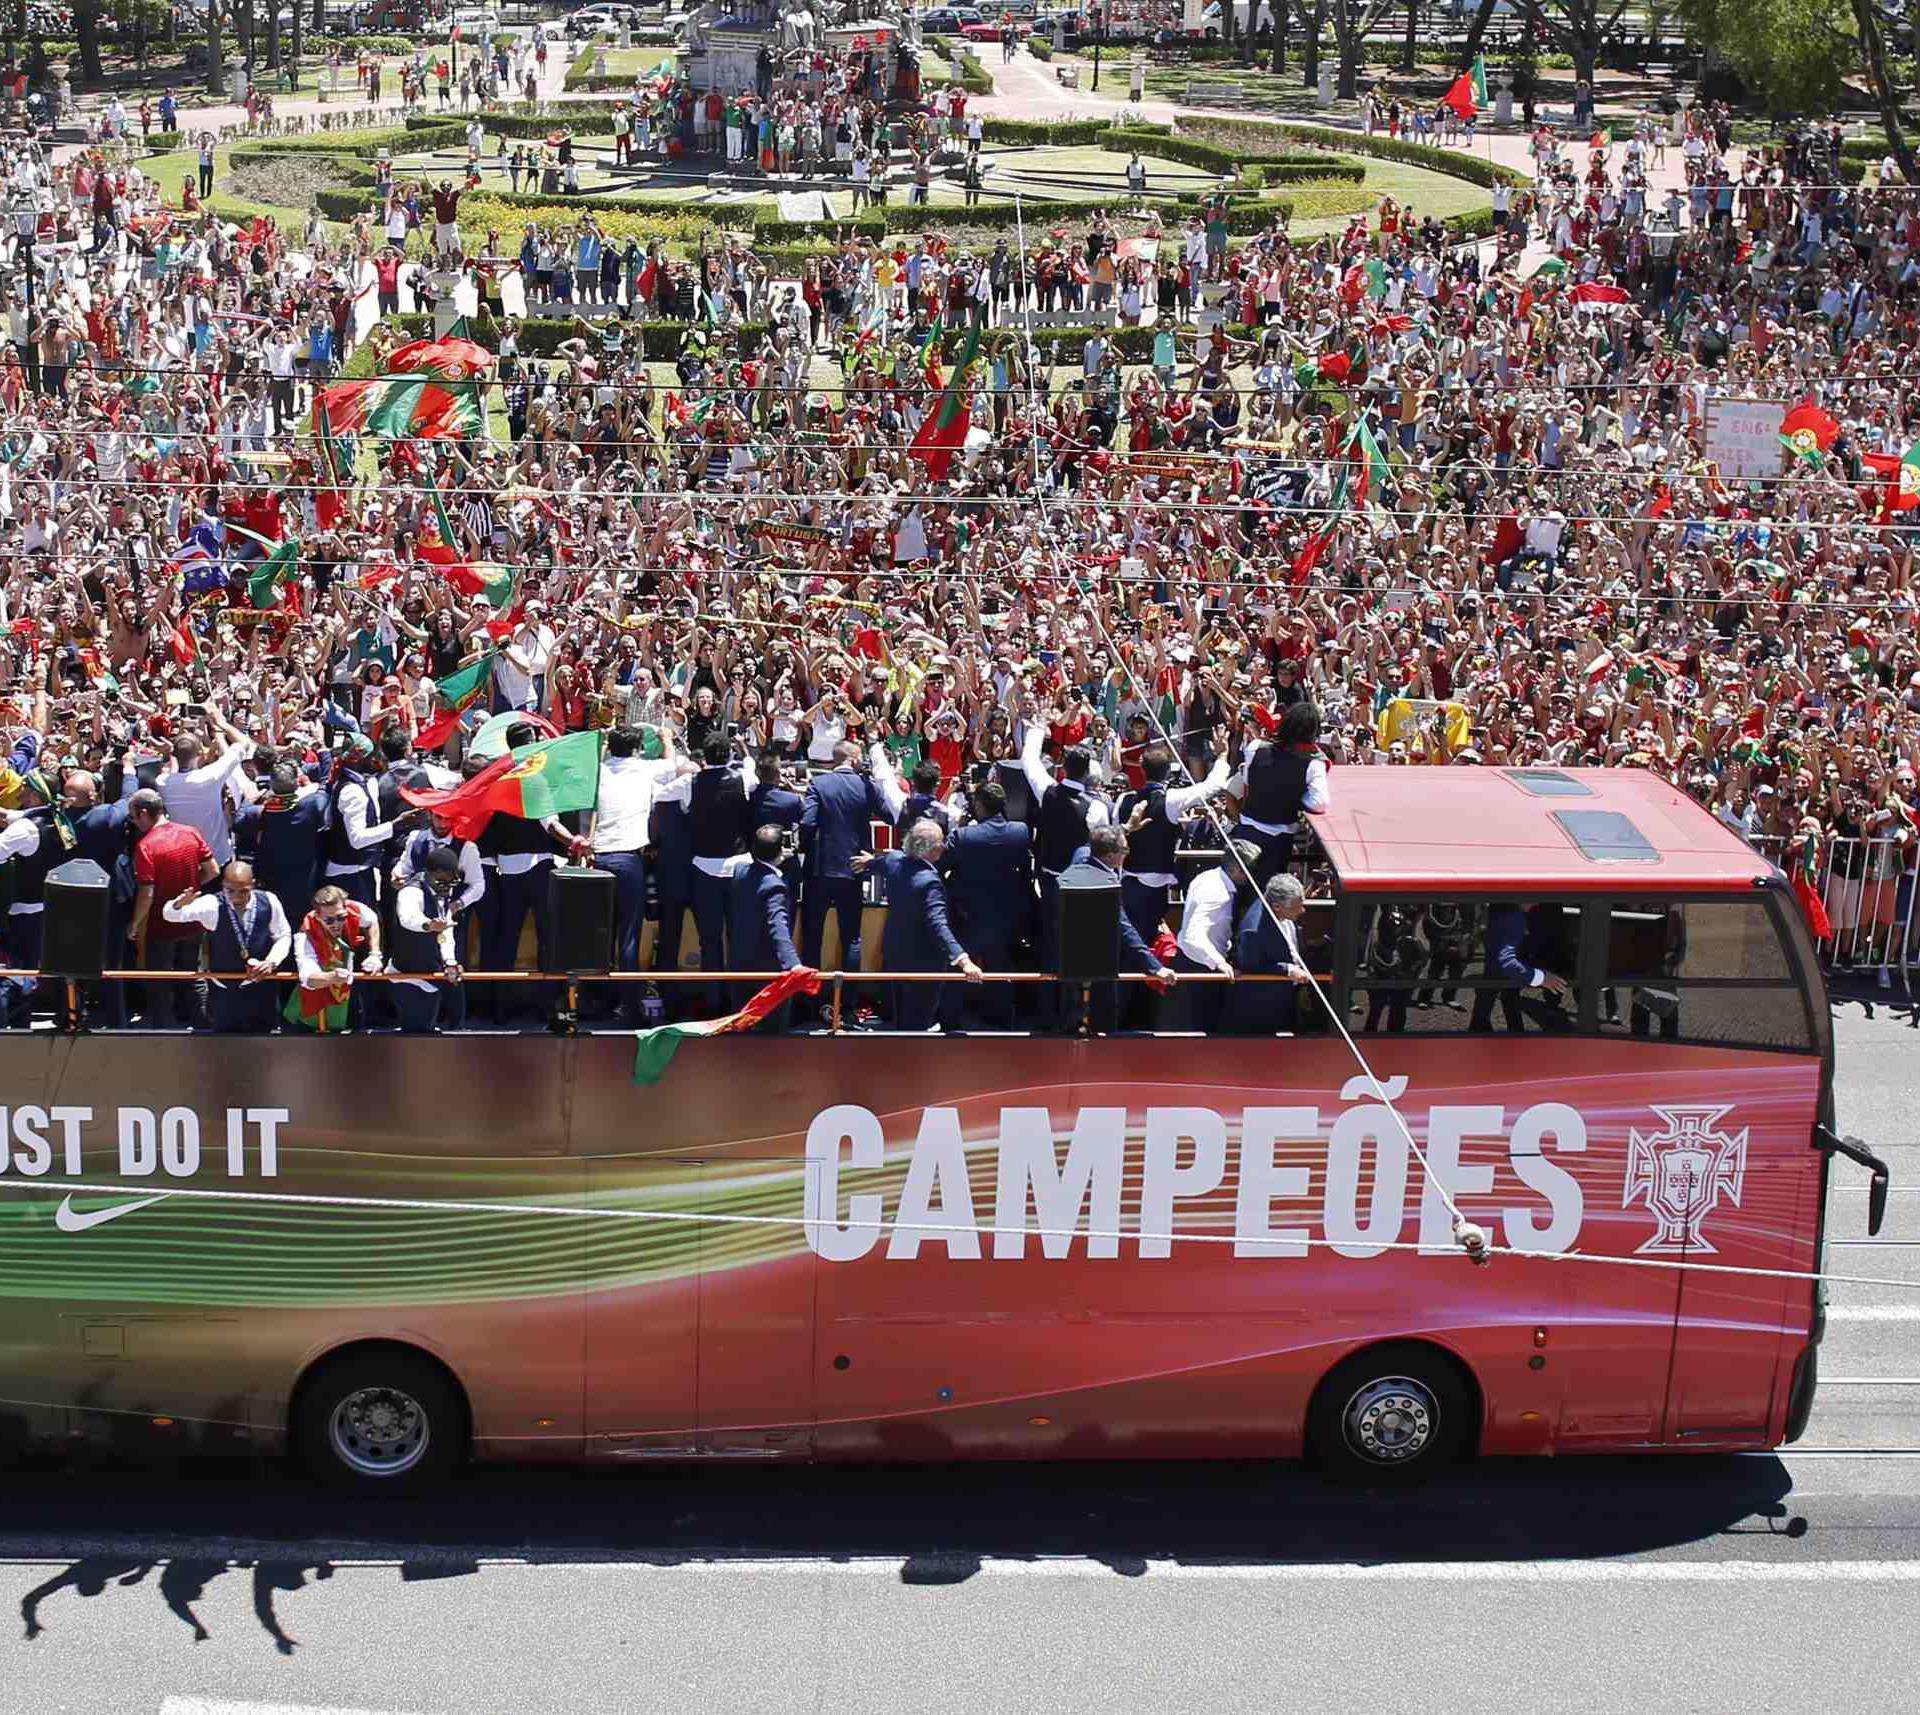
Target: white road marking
x=1873 y=1312
x=221 y=1706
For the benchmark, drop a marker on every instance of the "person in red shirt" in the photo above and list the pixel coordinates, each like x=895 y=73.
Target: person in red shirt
x=169 y=858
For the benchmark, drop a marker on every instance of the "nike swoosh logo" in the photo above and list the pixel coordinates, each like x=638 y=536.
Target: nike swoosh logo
x=70 y=1220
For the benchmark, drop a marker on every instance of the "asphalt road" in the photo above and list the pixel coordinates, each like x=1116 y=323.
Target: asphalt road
x=1760 y=1583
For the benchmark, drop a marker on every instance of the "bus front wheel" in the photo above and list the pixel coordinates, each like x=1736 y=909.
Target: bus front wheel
x=1393 y=1414
x=379 y=1417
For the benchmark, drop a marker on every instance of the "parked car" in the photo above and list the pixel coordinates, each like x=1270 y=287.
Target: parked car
x=990 y=32
x=949 y=20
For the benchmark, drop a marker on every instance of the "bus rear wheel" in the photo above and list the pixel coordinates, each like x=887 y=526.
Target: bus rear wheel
x=379 y=1419
x=1391 y=1415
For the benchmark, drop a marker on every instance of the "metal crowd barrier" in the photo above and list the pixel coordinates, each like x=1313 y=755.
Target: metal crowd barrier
x=1866 y=887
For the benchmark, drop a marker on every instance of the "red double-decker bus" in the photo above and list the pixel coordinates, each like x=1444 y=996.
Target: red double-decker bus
x=388 y=1254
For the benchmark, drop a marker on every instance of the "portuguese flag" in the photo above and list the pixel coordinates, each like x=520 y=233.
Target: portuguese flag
x=929 y=359
x=1375 y=473
x=276 y=568
x=534 y=781
x=496 y=582
x=1469 y=92
x=945 y=430
x=452 y=697
x=403 y=408
x=654 y=1049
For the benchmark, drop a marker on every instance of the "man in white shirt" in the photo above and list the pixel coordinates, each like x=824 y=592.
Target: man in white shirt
x=198 y=792
x=630 y=786
x=520 y=669
x=1206 y=931
x=428 y=995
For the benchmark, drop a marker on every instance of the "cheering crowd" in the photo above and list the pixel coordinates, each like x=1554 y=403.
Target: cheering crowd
x=871 y=569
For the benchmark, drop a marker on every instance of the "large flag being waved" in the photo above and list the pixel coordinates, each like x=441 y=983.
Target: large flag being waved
x=1469 y=92
x=534 y=781
x=403 y=408
x=452 y=697
x=944 y=432
x=450 y=359
x=653 y=1049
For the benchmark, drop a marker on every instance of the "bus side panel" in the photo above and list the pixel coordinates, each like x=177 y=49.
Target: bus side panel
x=1759 y=1209
x=241 y=1210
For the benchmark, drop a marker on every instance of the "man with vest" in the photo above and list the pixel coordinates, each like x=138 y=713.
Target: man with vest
x=1279 y=781
x=1152 y=817
x=918 y=935
x=250 y=938
x=717 y=827
x=673 y=893
x=918 y=801
x=424 y=947
x=989 y=876
x=1069 y=810
x=760 y=918
x=836 y=826
x=356 y=835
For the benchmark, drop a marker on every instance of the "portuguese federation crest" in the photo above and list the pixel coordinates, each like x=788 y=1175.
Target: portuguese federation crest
x=1682 y=1173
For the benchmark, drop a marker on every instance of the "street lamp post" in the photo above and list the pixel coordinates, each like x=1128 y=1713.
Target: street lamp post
x=1099 y=36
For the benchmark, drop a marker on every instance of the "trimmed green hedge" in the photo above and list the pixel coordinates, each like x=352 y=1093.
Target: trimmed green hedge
x=1060 y=132
x=975 y=78
x=1040 y=47
x=1453 y=163
x=396 y=45
x=541 y=336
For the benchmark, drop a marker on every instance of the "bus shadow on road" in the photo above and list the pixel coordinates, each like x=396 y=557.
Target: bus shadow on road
x=178 y=1528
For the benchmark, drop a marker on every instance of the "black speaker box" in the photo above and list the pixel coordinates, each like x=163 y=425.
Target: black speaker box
x=74 y=927
x=1089 y=926
x=580 y=927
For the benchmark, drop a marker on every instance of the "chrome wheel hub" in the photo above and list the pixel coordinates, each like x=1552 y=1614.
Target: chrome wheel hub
x=379 y=1431
x=1391 y=1420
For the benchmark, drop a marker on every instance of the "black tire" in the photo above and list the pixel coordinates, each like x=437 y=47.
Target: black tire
x=379 y=1419
x=1390 y=1415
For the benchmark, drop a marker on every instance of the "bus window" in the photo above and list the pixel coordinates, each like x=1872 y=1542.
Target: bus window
x=1445 y=966
x=1700 y=971
x=1729 y=939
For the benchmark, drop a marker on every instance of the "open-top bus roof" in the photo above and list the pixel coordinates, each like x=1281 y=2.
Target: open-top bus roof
x=1485 y=830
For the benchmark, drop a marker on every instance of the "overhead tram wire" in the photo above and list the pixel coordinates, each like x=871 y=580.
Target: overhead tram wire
x=1470 y=1238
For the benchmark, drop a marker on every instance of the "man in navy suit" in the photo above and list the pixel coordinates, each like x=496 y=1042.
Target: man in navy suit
x=1511 y=952
x=835 y=828
x=989 y=875
x=284 y=833
x=918 y=936
x=759 y=919
x=101 y=833
x=1267 y=943
x=774 y=800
